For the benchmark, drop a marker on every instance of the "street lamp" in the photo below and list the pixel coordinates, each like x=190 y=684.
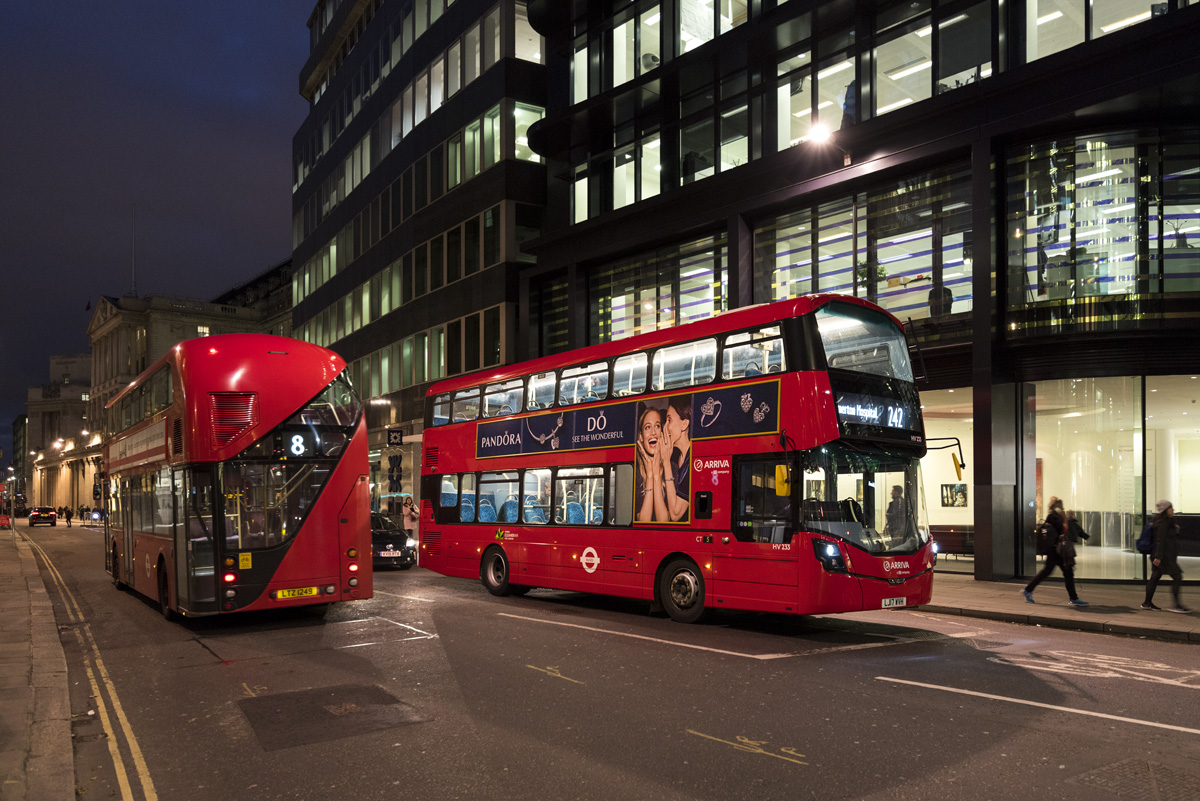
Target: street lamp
x=821 y=134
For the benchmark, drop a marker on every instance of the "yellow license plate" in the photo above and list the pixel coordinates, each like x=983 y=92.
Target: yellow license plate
x=297 y=592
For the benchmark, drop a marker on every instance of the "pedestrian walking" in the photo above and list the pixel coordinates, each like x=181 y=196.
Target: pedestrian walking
x=67 y=514
x=1061 y=555
x=1165 y=557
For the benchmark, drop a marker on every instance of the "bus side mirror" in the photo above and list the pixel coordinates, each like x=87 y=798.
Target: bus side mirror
x=783 y=480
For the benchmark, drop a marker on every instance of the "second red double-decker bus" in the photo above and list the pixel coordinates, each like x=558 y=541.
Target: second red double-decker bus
x=236 y=478
x=763 y=459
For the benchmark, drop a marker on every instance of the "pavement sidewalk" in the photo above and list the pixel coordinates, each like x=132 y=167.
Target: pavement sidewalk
x=36 y=754
x=1112 y=609
x=36 y=751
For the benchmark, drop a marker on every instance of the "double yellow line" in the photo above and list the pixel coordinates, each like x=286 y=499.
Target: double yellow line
x=93 y=664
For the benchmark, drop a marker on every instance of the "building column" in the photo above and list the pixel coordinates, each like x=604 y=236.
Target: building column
x=996 y=440
x=740 y=262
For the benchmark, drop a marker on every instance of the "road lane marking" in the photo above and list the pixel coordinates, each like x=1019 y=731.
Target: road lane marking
x=1104 y=666
x=1040 y=705
x=553 y=671
x=91 y=651
x=754 y=747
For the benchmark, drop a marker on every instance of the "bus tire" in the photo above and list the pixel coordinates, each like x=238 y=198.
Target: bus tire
x=163 y=604
x=494 y=573
x=681 y=590
x=116 y=571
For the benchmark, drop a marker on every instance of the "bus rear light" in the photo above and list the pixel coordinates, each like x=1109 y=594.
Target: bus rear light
x=352 y=553
x=829 y=555
x=353 y=582
x=229 y=561
x=353 y=567
x=330 y=589
x=230 y=578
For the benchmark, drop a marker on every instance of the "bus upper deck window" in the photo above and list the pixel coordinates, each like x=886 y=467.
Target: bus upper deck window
x=541 y=391
x=466 y=405
x=752 y=353
x=441 y=410
x=584 y=384
x=503 y=398
x=629 y=375
x=686 y=365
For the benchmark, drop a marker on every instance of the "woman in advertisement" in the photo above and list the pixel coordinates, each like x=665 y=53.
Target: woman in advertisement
x=650 y=443
x=676 y=458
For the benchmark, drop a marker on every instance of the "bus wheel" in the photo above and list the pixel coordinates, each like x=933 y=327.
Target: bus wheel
x=163 y=604
x=493 y=571
x=681 y=591
x=116 y=571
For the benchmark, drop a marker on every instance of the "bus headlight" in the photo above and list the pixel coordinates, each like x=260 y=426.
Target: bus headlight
x=829 y=555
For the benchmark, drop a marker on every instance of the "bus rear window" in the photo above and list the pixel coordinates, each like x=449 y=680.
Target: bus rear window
x=862 y=341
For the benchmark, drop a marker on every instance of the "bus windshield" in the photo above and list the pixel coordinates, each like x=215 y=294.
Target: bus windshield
x=873 y=499
x=863 y=341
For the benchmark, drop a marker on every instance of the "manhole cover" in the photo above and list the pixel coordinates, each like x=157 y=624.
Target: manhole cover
x=1142 y=779
x=327 y=713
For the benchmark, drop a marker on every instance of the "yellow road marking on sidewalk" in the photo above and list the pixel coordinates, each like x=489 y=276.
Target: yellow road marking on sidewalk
x=82 y=630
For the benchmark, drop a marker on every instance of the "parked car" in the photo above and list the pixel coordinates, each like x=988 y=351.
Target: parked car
x=43 y=514
x=390 y=544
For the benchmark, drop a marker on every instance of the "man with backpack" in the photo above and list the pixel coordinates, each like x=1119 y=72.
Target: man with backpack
x=1060 y=553
x=1165 y=556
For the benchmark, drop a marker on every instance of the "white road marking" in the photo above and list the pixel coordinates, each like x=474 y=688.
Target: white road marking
x=760 y=657
x=1104 y=666
x=1040 y=705
x=426 y=634
x=406 y=597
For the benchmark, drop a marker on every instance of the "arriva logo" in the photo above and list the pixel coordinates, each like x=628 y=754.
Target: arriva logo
x=711 y=464
x=895 y=565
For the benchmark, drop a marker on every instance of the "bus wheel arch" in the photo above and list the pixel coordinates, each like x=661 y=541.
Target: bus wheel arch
x=679 y=588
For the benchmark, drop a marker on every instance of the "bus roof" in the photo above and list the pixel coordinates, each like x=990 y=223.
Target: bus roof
x=733 y=320
x=206 y=375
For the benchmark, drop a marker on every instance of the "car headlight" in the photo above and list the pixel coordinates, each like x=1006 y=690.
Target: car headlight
x=410 y=543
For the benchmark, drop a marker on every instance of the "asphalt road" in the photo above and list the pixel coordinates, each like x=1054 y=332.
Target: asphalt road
x=436 y=690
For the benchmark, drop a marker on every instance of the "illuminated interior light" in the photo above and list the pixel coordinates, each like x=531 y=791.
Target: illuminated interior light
x=894 y=106
x=906 y=71
x=1096 y=176
x=1116 y=26
x=836 y=68
x=1049 y=17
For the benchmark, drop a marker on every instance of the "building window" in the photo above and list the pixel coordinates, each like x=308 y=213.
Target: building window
x=202 y=330
x=529 y=44
x=657 y=290
x=524 y=116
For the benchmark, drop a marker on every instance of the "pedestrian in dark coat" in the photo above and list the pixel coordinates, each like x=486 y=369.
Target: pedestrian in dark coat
x=1165 y=557
x=1062 y=556
x=67 y=514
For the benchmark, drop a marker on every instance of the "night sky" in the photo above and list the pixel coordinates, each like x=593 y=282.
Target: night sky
x=182 y=110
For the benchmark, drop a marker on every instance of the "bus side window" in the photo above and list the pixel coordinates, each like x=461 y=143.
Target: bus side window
x=441 y=410
x=541 y=391
x=629 y=375
x=448 y=500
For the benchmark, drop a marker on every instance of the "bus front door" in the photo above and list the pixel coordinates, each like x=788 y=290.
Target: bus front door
x=196 y=561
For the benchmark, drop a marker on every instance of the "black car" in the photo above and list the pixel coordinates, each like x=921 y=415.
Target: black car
x=390 y=544
x=43 y=514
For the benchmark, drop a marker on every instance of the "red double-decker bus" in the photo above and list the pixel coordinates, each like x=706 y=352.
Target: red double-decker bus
x=763 y=459
x=236 y=478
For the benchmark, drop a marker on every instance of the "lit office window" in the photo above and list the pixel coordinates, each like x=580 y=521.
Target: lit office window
x=523 y=117
x=529 y=44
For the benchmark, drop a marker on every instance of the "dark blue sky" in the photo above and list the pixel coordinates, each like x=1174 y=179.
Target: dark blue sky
x=184 y=109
